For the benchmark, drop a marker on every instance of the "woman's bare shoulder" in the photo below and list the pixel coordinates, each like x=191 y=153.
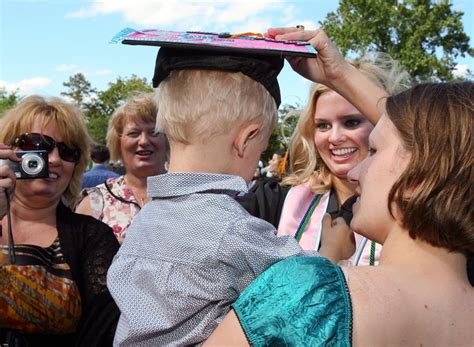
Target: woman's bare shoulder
x=390 y=306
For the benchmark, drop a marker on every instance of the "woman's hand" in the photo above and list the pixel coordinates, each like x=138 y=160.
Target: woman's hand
x=337 y=240
x=7 y=177
x=331 y=69
x=328 y=67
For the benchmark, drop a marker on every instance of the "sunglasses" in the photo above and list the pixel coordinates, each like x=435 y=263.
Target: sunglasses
x=35 y=141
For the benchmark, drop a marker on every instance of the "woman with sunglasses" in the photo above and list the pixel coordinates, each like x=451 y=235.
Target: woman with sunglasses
x=415 y=198
x=131 y=138
x=53 y=262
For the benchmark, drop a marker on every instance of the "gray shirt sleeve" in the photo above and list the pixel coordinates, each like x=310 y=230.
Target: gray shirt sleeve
x=249 y=247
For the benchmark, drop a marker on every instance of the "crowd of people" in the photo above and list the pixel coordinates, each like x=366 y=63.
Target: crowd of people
x=181 y=249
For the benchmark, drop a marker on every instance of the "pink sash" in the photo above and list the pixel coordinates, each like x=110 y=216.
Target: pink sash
x=295 y=206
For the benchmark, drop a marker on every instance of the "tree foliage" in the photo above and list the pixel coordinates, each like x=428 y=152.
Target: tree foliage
x=79 y=89
x=120 y=90
x=99 y=110
x=98 y=106
x=7 y=100
x=425 y=36
x=281 y=134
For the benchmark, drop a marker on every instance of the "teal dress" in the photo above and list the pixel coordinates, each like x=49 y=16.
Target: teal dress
x=299 y=301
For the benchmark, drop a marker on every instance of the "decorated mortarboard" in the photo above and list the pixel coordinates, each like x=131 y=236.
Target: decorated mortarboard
x=258 y=57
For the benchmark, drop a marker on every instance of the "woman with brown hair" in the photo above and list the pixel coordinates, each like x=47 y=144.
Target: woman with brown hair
x=415 y=198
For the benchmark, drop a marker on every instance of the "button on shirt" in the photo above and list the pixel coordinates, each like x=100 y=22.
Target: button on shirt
x=187 y=256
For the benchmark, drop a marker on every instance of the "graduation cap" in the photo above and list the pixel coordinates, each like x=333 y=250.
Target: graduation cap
x=253 y=55
x=261 y=68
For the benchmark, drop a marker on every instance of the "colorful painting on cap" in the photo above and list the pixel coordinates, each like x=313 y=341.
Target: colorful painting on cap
x=246 y=42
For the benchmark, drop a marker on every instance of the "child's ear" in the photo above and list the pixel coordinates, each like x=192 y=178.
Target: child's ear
x=244 y=136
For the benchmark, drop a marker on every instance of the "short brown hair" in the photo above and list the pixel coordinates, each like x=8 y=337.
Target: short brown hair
x=70 y=122
x=435 y=192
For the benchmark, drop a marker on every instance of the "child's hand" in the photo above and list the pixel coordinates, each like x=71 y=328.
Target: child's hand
x=337 y=240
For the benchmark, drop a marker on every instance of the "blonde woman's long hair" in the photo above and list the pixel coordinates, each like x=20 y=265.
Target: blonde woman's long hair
x=306 y=165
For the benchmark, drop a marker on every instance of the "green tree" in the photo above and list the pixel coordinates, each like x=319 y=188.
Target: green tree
x=120 y=90
x=281 y=134
x=79 y=90
x=98 y=110
x=97 y=127
x=425 y=36
x=7 y=100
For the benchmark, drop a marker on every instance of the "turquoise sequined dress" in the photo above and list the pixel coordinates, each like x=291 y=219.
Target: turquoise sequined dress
x=299 y=301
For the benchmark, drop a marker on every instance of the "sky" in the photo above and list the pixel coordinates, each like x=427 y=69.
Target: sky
x=44 y=42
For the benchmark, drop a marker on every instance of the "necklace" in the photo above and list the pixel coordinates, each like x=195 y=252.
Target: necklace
x=140 y=199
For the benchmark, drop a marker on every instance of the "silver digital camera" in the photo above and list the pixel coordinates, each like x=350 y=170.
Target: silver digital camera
x=33 y=164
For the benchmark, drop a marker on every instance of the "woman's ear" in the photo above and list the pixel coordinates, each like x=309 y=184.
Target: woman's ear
x=244 y=136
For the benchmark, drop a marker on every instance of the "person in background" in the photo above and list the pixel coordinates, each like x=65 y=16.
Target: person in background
x=258 y=172
x=265 y=196
x=100 y=171
x=414 y=197
x=117 y=167
x=272 y=170
x=330 y=139
x=132 y=138
x=53 y=262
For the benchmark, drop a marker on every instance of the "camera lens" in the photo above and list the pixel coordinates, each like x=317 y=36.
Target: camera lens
x=32 y=164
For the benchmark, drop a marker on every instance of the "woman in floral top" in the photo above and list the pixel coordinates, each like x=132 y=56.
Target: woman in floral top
x=131 y=138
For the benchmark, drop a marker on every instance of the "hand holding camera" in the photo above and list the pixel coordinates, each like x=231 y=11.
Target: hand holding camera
x=7 y=177
x=32 y=164
x=34 y=150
